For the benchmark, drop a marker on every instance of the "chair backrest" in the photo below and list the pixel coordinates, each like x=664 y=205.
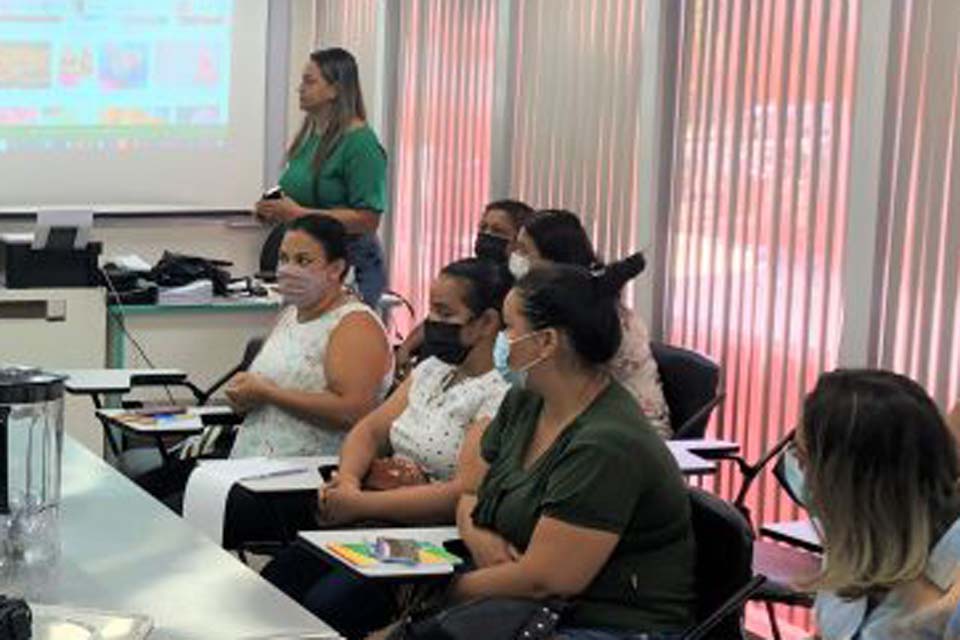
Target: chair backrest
x=750 y=472
x=690 y=383
x=724 y=562
x=270 y=251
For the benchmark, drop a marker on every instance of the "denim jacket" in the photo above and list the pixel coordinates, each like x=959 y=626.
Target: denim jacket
x=918 y=610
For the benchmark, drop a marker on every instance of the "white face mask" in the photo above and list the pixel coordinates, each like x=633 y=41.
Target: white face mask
x=301 y=287
x=519 y=265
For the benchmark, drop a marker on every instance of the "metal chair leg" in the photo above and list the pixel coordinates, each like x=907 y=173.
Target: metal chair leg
x=774 y=627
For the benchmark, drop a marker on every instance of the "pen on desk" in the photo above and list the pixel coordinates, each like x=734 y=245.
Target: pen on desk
x=276 y=474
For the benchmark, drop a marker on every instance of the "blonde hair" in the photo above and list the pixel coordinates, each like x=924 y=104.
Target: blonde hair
x=882 y=470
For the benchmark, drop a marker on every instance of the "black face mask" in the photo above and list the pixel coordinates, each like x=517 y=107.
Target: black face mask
x=442 y=340
x=491 y=247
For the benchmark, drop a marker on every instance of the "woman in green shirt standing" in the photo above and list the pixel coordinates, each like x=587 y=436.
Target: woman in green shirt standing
x=336 y=166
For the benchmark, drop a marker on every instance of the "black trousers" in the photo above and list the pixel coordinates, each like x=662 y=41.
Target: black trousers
x=272 y=518
x=353 y=605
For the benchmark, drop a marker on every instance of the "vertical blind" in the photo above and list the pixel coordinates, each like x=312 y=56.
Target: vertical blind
x=576 y=129
x=441 y=151
x=351 y=24
x=759 y=189
x=918 y=325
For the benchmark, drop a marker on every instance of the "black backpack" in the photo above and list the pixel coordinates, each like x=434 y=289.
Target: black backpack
x=177 y=270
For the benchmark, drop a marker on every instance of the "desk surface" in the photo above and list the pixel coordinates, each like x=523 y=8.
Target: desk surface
x=708 y=446
x=117 y=380
x=799 y=533
x=220 y=305
x=124 y=551
x=435 y=535
x=690 y=464
x=115 y=417
x=309 y=480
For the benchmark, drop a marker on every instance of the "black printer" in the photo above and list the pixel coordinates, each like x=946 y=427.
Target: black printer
x=58 y=264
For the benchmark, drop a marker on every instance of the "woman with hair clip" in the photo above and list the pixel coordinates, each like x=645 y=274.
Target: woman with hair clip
x=570 y=494
x=877 y=467
x=335 y=167
x=557 y=236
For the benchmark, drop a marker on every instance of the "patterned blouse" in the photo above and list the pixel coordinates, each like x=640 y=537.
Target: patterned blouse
x=635 y=368
x=430 y=430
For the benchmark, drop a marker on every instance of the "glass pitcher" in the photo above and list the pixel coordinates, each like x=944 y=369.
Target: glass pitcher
x=31 y=444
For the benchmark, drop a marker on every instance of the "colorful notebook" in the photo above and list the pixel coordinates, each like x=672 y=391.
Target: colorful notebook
x=360 y=554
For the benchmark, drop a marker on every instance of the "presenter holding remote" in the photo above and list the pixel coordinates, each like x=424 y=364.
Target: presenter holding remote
x=336 y=167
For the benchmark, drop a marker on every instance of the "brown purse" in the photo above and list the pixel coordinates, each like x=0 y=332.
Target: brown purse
x=393 y=473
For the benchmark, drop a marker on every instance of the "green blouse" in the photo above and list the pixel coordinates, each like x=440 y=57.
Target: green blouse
x=354 y=175
x=610 y=471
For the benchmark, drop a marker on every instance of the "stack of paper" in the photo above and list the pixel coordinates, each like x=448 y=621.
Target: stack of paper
x=205 y=500
x=199 y=292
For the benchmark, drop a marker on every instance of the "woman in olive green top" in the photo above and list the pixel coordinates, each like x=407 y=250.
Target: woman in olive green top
x=336 y=166
x=574 y=494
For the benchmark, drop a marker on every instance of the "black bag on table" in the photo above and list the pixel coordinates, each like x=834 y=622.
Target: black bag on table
x=177 y=270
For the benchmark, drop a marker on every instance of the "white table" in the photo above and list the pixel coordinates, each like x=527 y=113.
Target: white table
x=123 y=551
x=799 y=533
x=434 y=535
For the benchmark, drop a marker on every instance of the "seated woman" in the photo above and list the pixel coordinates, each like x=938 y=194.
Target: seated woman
x=499 y=225
x=556 y=236
x=496 y=239
x=327 y=361
x=423 y=423
x=878 y=469
x=579 y=499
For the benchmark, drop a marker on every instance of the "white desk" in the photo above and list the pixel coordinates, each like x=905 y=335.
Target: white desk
x=94 y=382
x=434 y=535
x=208 y=416
x=799 y=533
x=309 y=480
x=124 y=551
x=709 y=447
x=690 y=464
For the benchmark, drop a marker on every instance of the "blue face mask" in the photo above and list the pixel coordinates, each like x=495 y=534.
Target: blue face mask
x=501 y=360
x=794 y=478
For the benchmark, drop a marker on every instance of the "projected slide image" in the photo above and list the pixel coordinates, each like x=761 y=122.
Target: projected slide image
x=24 y=65
x=76 y=65
x=188 y=64
x=114 y=74
x=123 y=66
